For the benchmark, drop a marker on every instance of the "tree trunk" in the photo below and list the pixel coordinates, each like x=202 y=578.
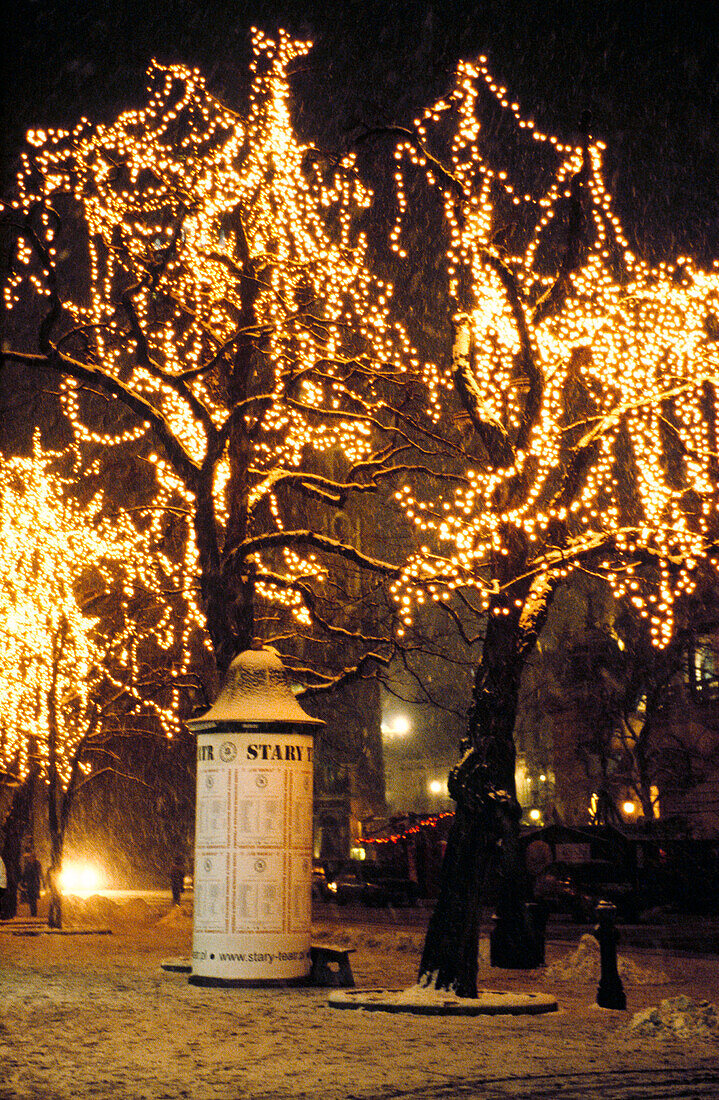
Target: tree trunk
x=56 y=827
x=54 y=916
x=642 y=757
x=227 y=581
x=449 y=958
x=486 y=823
x=217 y=601
x=54 y=912
x=15 y=827
x=56 y=822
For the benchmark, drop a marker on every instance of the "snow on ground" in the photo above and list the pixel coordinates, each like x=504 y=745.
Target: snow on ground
x=677 y=1016
x=95 y=1016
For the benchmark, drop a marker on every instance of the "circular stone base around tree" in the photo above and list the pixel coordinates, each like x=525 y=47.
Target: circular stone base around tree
x=433 y=1002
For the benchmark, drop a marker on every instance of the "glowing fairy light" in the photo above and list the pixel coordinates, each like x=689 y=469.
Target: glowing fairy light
x=590 y=378
x=226 y=297
x=64 y=664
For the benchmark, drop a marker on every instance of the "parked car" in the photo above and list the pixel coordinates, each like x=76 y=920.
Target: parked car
x=578 y=888
x=319 y=880
x=366 y=884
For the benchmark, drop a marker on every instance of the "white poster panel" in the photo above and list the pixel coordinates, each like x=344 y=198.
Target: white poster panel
x=212 y=818
x=300 y=915
x=210 y=904
x=253 y=856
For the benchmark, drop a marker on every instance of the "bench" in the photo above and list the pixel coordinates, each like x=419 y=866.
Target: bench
x=330 y=966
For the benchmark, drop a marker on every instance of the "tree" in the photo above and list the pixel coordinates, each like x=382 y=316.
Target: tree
x=83 y=619
x=587 y=382
x=198 y=280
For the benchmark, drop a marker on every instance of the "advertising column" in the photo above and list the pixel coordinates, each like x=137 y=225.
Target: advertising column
x=253 y=848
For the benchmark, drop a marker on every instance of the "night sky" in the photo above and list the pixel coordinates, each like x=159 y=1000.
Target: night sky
x=647 y=71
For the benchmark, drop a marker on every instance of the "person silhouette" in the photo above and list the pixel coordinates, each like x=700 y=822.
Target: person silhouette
x=32 y=881
x=177 y=879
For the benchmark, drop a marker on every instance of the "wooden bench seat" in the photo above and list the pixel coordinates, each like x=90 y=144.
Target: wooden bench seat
x=331 y=966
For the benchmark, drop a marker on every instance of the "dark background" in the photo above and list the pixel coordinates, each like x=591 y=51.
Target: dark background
x=648 y=72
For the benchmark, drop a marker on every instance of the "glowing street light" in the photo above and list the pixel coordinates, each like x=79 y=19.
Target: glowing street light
x=80 y=879
x=398 y=726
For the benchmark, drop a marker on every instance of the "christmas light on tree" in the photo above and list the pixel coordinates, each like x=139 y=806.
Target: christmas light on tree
x=77 y=594
x=207 y=271
x=588 y=375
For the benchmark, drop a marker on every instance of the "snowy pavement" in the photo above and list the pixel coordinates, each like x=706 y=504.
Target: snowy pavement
x=96 y=1016
x=624 y=1084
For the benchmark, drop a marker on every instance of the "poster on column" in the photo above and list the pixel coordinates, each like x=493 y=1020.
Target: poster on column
x=253 y=856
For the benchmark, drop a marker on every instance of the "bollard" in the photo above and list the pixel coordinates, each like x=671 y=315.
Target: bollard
x=610 y=993
x=527 y=928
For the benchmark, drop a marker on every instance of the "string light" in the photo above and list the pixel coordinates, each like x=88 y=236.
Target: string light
x=226 y=276
x=430 y=822
x=597 y=390
x=62 y=664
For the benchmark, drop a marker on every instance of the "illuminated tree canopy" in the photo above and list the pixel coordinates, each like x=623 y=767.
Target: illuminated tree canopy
x=77 y=595
x=588 y=376
x=200 y=282
x=206 y=273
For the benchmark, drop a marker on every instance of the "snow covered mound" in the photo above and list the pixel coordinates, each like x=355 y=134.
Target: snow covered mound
x=95 y=910
x=677 y=1016
x=584 y=965
x=118 y=913
x=137 y=911
x=383 y=939
x=176 y=917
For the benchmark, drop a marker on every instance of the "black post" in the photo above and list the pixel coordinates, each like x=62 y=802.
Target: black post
x=610 y=993
x=513 y=941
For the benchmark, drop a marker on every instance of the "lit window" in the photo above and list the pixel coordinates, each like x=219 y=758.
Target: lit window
x=703 y=668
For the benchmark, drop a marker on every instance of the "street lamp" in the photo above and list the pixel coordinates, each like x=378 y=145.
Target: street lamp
x=397 y=726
